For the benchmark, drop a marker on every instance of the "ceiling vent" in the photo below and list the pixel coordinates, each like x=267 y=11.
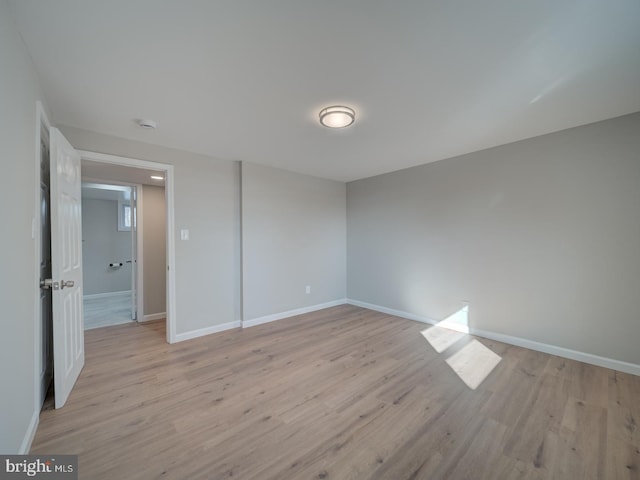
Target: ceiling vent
x=148 y=124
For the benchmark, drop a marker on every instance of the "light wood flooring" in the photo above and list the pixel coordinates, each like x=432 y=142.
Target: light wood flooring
x=343 y=393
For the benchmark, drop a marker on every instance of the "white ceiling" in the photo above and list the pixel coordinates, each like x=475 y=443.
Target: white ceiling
x=245 y=79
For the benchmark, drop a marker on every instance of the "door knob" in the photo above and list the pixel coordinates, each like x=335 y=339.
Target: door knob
x=48 y=283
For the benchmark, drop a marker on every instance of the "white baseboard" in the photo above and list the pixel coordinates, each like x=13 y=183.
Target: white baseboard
x=207 y=331
x=597 y=360
x=584 y=357
x=30 y=433
x=107 y=294
x=392 y=311
x=153 y=316
x=256 y=321
x=291 y=313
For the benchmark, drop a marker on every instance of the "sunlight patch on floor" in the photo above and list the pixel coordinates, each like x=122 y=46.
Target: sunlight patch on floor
x=448 y=331
x=441 y=338
x=473 y=363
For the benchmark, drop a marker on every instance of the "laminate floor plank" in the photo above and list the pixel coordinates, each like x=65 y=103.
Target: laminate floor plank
x=343 y=393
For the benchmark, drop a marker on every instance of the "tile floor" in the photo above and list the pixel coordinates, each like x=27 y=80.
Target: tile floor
x=106 y=311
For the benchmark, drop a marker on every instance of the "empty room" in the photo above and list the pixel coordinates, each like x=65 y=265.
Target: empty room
x=320 y=240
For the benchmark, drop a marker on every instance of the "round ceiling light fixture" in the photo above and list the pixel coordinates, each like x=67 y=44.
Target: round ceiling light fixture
x=337 y=116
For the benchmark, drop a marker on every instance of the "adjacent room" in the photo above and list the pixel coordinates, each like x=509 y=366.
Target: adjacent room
x=293 y=240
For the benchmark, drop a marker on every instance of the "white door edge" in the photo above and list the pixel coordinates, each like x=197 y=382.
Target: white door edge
x=42 y=122
x=66 y=265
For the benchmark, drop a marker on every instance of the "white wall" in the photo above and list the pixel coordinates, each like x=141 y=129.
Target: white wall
x=294 y=235
x=19 y=91
x=541 y=236
x=207 y=202
x=154 y=249
x=102 y=244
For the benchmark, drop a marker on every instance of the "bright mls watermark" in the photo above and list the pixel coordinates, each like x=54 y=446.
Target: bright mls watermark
x=51 y=467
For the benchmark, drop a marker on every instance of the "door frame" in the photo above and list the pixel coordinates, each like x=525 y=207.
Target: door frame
x=42 y=123
x=169 y=205
x=139 y=265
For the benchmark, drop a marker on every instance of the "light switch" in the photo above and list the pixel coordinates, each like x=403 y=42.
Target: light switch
x=184 y=234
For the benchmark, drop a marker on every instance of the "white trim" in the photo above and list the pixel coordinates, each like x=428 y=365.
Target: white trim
x=207 y=331
x=139 y=256
x=126 y=161
x=171 y=257
x=30 y=433
x=291 y=313
x=171 y=254
x=106 y=294
x=153 y=316
x=392 y=311
x=597 y=360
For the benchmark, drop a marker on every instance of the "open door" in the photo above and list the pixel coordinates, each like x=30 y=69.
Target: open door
x=66 y=266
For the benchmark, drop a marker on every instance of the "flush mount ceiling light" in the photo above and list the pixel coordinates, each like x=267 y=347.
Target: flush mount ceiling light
x=337 y=116
x=157 y=177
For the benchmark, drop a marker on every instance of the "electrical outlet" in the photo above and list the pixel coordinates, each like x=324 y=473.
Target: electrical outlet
x=308 y=289
x=184 y=234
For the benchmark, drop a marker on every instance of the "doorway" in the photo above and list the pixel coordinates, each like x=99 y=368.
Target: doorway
x=110 y=257
x=154 y=222
x=46 y=319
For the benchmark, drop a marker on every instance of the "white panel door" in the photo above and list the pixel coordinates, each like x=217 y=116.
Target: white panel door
x=66 y=266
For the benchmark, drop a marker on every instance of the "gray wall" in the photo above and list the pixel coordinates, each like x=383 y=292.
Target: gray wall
x=207 y=202
x=541 y=236
x=103 y=244
x=19 y=91
x=154 y=249
x=294 y=234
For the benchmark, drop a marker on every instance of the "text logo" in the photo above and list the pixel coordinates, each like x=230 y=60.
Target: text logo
x=51 y=467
